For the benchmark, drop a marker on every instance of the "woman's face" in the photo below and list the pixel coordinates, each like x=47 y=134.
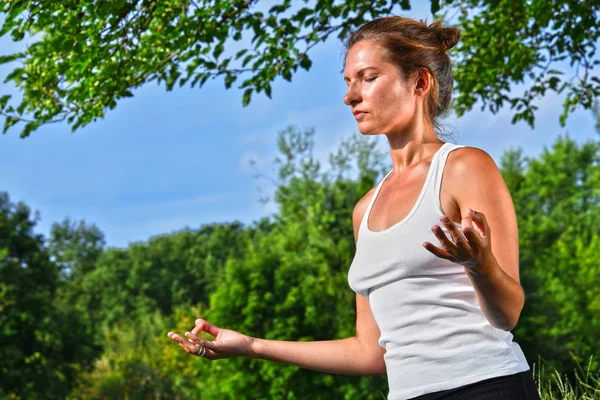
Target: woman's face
x=381 y=101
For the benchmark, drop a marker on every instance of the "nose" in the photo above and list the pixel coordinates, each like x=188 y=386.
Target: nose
x=352 y=95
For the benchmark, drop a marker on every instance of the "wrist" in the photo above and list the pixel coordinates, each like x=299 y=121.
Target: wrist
x=486 y=269
x=254 y=348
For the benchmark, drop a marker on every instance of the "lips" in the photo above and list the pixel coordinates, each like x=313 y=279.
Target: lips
x=358 y=114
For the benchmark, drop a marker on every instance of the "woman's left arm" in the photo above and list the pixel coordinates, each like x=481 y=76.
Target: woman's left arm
x=488 y=246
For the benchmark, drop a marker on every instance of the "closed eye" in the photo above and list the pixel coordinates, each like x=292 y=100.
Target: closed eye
x=371 y=79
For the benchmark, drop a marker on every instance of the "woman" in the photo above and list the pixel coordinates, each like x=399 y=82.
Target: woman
x=435 y=318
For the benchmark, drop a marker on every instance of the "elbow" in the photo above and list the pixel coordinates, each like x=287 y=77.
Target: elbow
x=381 y=369
x=505 y=326
x=506 y=322
x=377 y=367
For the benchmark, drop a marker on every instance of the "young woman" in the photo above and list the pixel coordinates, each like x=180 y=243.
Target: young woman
x=436 y=269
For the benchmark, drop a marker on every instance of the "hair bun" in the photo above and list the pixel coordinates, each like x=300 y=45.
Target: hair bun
x=448 y=37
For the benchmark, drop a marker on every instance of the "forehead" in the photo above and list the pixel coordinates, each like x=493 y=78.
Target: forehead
x=362 y=55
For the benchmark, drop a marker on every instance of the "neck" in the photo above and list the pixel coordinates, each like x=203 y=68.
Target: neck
x=410 y=147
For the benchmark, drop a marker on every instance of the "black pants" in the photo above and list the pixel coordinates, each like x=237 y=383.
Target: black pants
x=519 y=386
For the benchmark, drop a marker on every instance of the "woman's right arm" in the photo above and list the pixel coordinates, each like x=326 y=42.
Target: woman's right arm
x=357 y=355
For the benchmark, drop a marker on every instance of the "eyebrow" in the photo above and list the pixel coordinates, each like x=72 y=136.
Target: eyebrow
x=360 y=72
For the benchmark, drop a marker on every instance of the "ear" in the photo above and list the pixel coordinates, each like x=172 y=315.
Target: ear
x=422 y=82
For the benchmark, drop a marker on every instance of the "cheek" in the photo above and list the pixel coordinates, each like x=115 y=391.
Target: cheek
x=388 y=95
x=397 y=95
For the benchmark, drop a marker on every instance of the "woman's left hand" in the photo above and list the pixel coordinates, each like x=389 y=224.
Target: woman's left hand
x=469 y=248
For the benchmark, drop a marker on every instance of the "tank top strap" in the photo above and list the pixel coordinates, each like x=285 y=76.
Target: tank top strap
x=438 y=171
x=372 y=200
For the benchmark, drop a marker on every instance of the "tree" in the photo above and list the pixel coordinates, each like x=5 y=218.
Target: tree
x=139 y=362
x=292 y=283
x=507 y=44
x=92 y=54
x=558 y=207
x=75 y=247
x=40 y=344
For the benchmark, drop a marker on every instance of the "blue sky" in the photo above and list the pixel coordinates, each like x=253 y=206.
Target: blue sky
x=162 y=161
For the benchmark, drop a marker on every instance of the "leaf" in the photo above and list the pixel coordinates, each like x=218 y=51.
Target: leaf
x=305 y=63
x=29 y=127
x=218 y=50
x=11 y=57
x=247 y=96
x=247 y=59
x=240 y=53
x=10 y=121
x=4 y=100
x=229 y=79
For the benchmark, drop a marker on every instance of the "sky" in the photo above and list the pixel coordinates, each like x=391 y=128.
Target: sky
x=164 y=161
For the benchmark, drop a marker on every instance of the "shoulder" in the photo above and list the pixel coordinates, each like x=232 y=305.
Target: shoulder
x=472 y=176
x=470 y=168
x=470 y=161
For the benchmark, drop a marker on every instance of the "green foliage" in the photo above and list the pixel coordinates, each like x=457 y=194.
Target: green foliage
x=179 y=269
x=39 y=345
x=89 y=56
x=75 y=247
x=557 y=199
x=139 y=362
x=507 y=44
x=94 y=54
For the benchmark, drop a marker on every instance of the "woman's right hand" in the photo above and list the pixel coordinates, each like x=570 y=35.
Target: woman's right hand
x=227 y=343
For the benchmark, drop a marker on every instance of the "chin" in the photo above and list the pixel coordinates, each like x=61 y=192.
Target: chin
x=368 y=130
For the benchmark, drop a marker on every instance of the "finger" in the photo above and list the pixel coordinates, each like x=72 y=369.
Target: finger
x=202 y=342
x=209 y=354
x=436 y=251
x=473 y=237
x=447 y=245
x=480 y=221
x=203 y=325
x=196 y=330
x=457 y=236
x=184 y=343
x=466 y=222
x=470 y=232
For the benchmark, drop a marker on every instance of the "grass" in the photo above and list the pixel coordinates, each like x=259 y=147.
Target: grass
x=558 y=387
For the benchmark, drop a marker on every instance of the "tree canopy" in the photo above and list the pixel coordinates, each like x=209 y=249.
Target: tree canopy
x=88 y=55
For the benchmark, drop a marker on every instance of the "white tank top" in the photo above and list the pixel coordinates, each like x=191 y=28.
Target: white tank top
x=434 y=333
